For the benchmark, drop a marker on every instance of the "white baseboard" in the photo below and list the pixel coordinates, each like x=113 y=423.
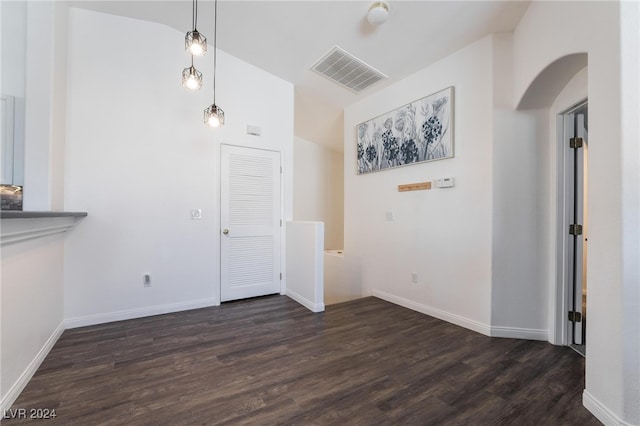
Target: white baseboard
x=434 y=312
x=487 y=330
x=520 y=333
x=138 y=313
x=14 y=391
x=602 y=413
x=313 y=307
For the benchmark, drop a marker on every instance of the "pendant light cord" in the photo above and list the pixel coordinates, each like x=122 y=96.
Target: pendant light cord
x=215 y=47
x=194 y=13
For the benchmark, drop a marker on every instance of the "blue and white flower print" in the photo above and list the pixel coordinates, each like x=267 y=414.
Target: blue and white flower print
x=418 y=132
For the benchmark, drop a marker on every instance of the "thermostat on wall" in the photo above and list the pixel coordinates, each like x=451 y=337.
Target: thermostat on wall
x=444 y=182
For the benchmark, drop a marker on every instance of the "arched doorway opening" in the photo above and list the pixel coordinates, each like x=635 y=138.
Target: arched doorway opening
x=562 y=89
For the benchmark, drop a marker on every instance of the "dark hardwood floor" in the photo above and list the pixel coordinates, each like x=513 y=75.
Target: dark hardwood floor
x=270 y=361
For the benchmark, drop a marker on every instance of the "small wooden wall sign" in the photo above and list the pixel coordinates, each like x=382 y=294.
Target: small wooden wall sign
x=414 y=186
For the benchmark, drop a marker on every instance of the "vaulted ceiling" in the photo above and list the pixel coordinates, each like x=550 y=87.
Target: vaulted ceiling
x=286 y=37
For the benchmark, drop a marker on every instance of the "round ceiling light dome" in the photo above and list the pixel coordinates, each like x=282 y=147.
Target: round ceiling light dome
x=378 y=13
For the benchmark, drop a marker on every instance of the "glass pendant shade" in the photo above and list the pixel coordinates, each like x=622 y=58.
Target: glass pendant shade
x=191 y=78
x=214 y=116
x=195 y=43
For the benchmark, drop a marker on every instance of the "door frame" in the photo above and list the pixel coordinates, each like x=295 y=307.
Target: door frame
x=560 y=329
x=218 y=227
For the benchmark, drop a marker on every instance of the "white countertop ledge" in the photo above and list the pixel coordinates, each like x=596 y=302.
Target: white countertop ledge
x=19 y=214
x=34 y=225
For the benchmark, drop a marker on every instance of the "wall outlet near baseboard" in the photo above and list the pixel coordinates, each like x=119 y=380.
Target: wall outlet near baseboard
x=147 y=280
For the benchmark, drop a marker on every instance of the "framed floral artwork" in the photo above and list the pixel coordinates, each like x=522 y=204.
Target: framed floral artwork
x=414 y=133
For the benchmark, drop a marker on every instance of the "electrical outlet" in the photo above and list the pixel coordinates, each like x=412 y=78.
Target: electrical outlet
x=196 y=214
x=147 y=280
x=389 y=216
x=414 y=277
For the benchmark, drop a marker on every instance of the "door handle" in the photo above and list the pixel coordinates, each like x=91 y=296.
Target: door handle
x=225 y=231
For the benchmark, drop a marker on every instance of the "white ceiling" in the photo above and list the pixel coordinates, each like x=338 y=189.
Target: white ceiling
x=286 y=37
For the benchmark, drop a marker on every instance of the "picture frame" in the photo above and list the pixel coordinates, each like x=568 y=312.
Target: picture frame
x=420 y=131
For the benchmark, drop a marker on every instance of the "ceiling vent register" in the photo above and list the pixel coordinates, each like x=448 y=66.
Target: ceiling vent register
x=346 y=70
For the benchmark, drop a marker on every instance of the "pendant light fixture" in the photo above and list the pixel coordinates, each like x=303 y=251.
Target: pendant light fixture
x=214 y=115
x=191 y=77
x=194 y=42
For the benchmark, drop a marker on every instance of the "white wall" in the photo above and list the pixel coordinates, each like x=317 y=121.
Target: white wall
x=14 y=27
x=542 y=37
x=39 y=105
x=36 y=65
x=59 y=102
x=520 y=201
x=305 y=263
x=318 y=189
x=630 y=137
x=520 y=204
x=32 y=309
x=341 y=278
x=519 y=301
x=139 y=158
x=444 y=235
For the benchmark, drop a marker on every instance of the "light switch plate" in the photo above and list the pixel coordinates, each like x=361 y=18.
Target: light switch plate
x=389 y=216
x=253 y=130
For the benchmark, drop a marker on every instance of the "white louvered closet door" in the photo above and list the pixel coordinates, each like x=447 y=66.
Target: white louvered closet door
x=249 y=223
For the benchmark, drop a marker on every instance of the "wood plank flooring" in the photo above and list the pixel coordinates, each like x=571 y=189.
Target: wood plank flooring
x=270 y=361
